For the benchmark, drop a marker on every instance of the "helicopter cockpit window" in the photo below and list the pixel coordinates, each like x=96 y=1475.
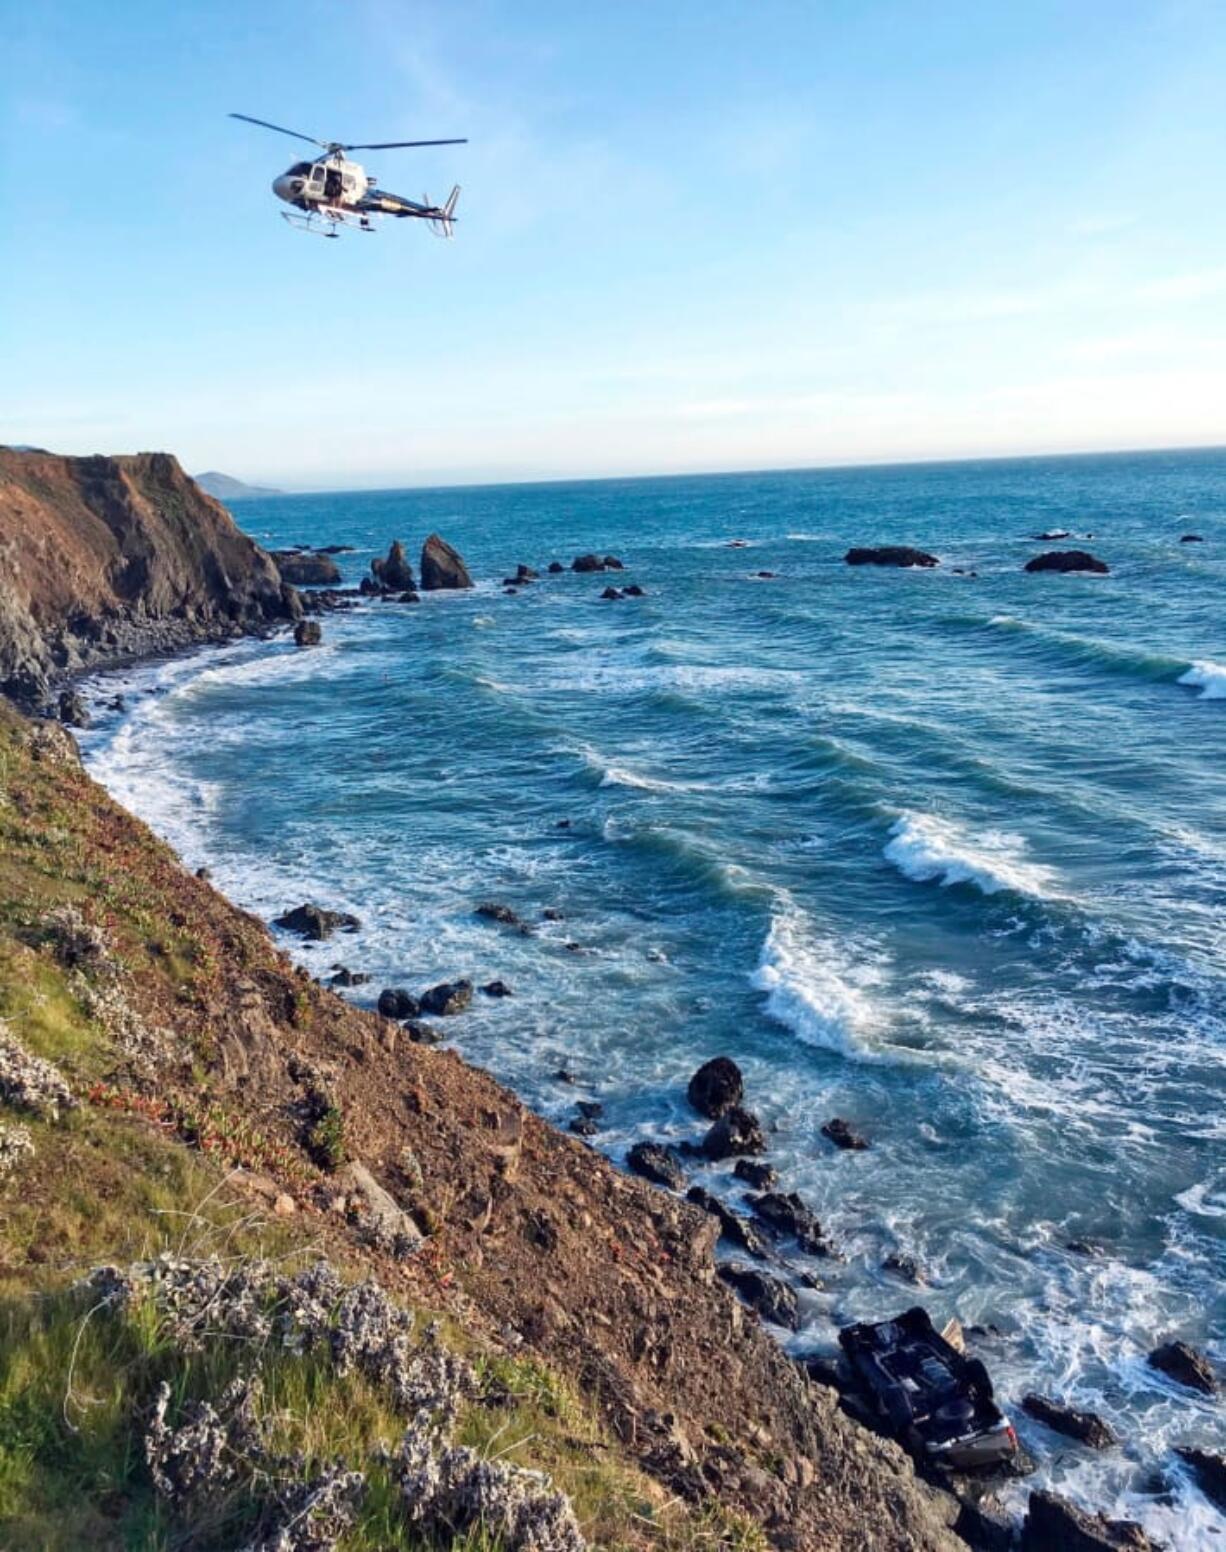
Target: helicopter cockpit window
x=299 y=170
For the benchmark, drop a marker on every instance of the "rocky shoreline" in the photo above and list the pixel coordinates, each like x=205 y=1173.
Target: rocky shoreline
x=123 y=630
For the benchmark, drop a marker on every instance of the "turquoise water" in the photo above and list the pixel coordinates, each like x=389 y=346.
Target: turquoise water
x=942 y=854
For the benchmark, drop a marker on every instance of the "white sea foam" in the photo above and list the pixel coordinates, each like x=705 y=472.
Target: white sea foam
x=813 y=989
x=1209 y=678
x=620 y=776
x=927 y=848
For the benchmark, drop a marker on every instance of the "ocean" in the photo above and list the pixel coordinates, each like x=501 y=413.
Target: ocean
x=940 y=853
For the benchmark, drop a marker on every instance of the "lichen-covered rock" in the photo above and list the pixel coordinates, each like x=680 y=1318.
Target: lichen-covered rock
x=30 y=1083
x=16 y=1145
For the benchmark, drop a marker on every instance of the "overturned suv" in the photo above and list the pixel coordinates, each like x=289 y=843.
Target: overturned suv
x=931 y=1397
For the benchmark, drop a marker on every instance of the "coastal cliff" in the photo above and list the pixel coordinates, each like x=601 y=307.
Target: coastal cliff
x=110 y=557
x=185 y=1117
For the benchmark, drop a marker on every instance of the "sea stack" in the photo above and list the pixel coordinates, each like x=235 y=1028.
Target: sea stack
x=442 y=566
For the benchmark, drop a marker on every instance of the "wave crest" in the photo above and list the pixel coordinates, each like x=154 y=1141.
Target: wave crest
x=822 y=1000
x=1209 y=678
x=927 y=848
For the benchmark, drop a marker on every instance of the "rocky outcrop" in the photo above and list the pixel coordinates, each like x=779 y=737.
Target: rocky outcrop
x=315 y=923
x=104 y=558
x=716 y=1087
x=1053 y=1524
x=1067 y=560
x=306 y=568
x=442 y=567
x=843 y=1135
x=1208 y=1467
x=1085 y=1427
x=657 y=1163
x=392 y=571
x=308 y=633
x=1186 y=1366
x=890 y=555
x=736 y=1132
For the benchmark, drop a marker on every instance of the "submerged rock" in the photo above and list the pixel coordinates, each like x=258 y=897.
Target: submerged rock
x=314 y=922
x=494 y=911
x=890 y=555
x=732 y=1226
x=769 y=1297
x=1067 y=560
x=1052 y=533
x=843 y=1135
x=587 y=563
x=1053 y=1524
x=736 y=1132
x=496 y=989
x=904 y=1266
x=1185 y=1365
x=1086 y=1427
x=658 y=1163
x=442 y=567
x=1191 y=538
x=716 y=1087
x=611 y=593
x=554 y=567
x=447 y=998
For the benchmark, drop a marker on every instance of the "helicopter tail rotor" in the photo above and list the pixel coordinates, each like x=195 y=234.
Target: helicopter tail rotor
x=444 y=225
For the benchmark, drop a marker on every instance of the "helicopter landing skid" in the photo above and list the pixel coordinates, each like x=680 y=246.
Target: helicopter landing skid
x=325 y=223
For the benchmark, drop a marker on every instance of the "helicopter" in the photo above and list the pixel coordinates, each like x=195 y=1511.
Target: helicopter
x=329 y=191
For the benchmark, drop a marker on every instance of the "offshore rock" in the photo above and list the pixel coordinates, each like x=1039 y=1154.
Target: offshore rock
x=587 y=563
x=308 y=633
x=396 y=1003
x=786 y=1213
x=843 y=1135
x=392 y=571
x=312 y=921
x=716 y=1087
x=1085 y=1427
x=1067 y=560
x=767 y=1296
x=306 y=568
x=1055 y=1525
x=1209 y=1469
x=1185 y=1365
x=890 y=555
x=756 y=1173
x=442 y=567
x=448 y=998
x=736 y=1132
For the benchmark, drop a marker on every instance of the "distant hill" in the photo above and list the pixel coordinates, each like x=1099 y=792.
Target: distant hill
x=226 y=488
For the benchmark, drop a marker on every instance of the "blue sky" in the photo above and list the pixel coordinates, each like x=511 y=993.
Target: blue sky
x=694 y=236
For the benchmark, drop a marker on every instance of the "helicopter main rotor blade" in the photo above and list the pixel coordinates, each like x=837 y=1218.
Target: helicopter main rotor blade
x=389 y=145
x=280 y=128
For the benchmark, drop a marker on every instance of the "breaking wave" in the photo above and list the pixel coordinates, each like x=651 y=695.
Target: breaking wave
x=1209 y=678
x=929 y=849
x=814 y=991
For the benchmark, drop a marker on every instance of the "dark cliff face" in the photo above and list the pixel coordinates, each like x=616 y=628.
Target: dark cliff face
x=111 y=557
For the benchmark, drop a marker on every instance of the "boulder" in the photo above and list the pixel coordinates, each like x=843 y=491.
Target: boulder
x=312 y=921
x=904 y=1266
x=1067 y=560
x=589 y=1109
x=447 y=998
x=658 y=1163
x=525 y=573
x=736 y=1132
x=308 y=633
x=72 y=710
x=555 y=566
x=409 y=598
x=396 y=1003
x=1053 y=1524
x=732 y=1226
x=306 y=570
x=890 y=555
x=612 y=563
x=1185 y=1365
x=1085 y=1427
x=393 y=572
x=389 y=1226
x=716 y=1087
x=611 y=593
x=1191 y=538
x=584 y=1126
x=343 y=976
x=442 y=567
x=423 y=1034
x=843 y=1135
x=587 y=563
x=633 y=590
x=769 y=1297
x=756 y=1173
x=1209 y=1469
x=786 y=1213
x=496 y=989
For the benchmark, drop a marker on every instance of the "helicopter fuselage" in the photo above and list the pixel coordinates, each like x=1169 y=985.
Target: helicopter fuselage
x=331 y=182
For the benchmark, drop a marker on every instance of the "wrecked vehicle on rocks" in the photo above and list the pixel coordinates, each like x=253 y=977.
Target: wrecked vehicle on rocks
x=932 y=1398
